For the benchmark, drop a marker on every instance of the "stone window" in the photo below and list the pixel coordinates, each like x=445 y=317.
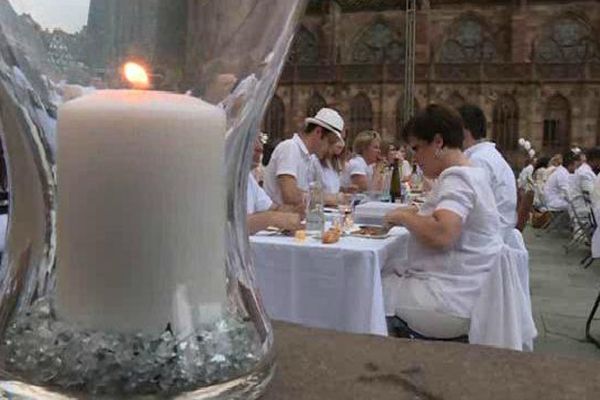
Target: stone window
x=361 y=115
x=557 y=123
x=378 y=44
x=506 y=123
x=315 y=103
x=305 y=50
x=274 y=121
x=468 y=42
x=567 y=40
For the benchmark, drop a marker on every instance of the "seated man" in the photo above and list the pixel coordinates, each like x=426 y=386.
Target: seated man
x=484 y=154
x=582 y=186
x=287 y=177
x=262 y=213
x=556 y=189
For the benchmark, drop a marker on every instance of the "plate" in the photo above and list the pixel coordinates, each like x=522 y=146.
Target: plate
x=371 y=232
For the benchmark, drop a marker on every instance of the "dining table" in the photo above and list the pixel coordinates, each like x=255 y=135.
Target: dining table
x=333 y=286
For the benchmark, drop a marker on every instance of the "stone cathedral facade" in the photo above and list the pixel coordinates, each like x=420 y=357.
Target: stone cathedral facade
x=533 y=66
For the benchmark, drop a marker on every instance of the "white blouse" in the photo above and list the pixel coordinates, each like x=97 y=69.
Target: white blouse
x=356 y=166
x=330 y=178
x=456 y=275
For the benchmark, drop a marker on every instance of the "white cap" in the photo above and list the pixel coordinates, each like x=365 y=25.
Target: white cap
x=328 y=119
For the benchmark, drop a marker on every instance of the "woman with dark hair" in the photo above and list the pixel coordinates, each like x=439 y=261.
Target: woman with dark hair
x=455 y=236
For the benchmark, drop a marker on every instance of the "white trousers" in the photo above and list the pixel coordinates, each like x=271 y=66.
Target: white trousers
x=412 y=300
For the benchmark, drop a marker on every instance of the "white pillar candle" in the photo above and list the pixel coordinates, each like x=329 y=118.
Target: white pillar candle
x=141 y=211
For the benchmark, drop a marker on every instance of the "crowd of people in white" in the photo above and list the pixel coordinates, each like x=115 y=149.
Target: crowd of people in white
x=467 y=269
x=566 y=182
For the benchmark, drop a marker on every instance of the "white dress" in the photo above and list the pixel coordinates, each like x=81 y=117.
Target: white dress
x=448 y=281
x=330 y=179
x=525 y=177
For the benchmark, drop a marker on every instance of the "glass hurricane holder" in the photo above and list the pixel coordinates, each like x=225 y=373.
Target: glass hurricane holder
x=127 y=129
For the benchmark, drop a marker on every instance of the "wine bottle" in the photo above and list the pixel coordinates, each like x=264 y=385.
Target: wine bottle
x=395 y=186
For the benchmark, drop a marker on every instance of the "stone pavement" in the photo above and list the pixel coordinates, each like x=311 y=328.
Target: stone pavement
x=562 y=294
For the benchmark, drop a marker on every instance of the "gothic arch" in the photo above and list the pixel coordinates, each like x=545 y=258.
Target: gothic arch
x=557 y=123
x=377 y=43
x=305 y=49
x=314 y=104
x=361 y=115
x=567 y=39
x=274 y=121
x=469 y=40
x=506 y=123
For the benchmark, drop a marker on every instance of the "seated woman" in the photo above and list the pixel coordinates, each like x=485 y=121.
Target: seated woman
x=455 y=237
x=331 y=165
x=359 y=170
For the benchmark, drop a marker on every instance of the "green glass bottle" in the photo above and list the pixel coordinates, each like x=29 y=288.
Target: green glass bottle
x=396 y=184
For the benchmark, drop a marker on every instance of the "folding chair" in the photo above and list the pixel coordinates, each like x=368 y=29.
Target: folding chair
x=591 y=228
x=580 y=219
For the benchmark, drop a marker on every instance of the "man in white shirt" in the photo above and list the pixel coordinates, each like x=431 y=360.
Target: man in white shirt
x=593 y=157
x=287 y=176
x=484 y=154
x=556 y=189
x=262 y=212
x=583 y=185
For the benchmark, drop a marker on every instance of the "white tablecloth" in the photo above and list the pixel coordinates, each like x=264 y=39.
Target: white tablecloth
x=327 y=286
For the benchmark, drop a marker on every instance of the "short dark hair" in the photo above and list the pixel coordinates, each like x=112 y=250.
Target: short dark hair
x=310 y=127
x=437 y=119
x=593 y=153
x=474 y=120
x=542 y=162
x=569 y=158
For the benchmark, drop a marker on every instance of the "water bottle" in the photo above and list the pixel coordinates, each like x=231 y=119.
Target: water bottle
x=315 y=216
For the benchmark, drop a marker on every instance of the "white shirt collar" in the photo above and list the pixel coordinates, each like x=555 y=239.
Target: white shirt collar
x=478 y=147
x=298 y=140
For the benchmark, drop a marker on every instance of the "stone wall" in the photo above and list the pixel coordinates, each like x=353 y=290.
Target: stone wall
x=514 y=31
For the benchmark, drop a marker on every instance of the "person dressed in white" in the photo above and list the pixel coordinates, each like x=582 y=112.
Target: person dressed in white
x=593 y=158
x=583 y=185
x=525 y=179
x=501 y=179
x=330 y=160
x=556 y=189
x=287 y=176
x=484 y=154
x=261 y=211
x=455 y=239
x=359 y=170
x=407 y=169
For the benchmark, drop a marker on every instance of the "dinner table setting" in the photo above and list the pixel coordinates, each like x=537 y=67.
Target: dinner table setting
x=332 y=280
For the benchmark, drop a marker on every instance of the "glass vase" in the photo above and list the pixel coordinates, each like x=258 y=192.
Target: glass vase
x=127 y=129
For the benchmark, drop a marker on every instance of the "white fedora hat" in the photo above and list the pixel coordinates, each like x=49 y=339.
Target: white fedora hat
x=328 y=119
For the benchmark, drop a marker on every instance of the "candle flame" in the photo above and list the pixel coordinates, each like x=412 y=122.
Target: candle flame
x=136 y=75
